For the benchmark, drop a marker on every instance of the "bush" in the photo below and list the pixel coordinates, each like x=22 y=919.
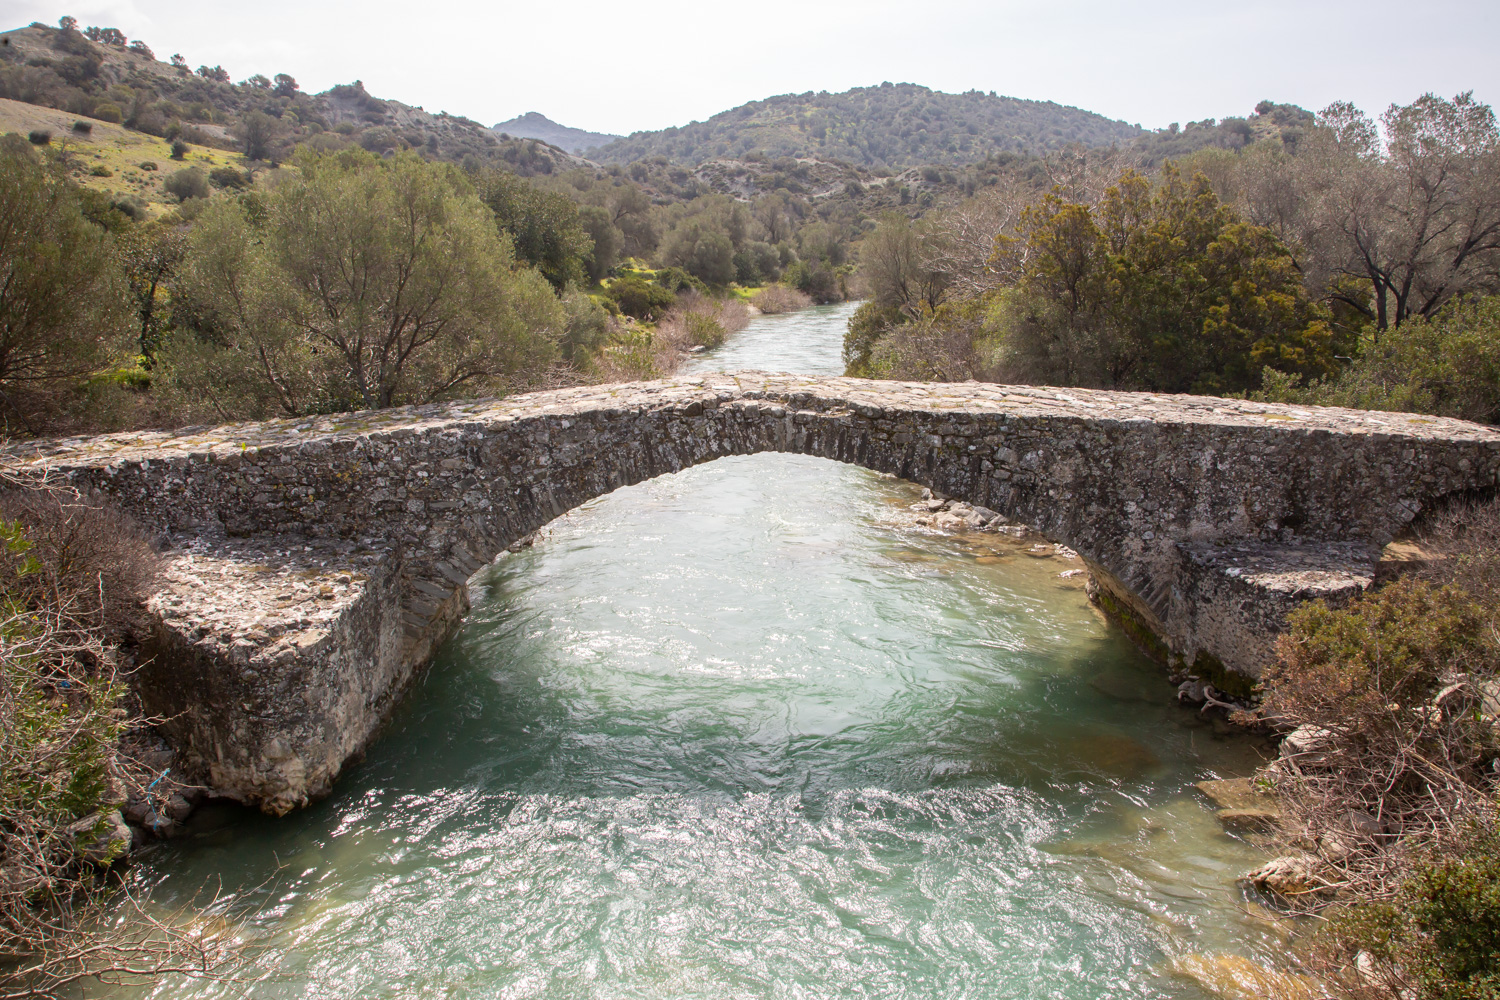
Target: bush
x=108 y=111
x=148 y=165
x=83 y=128
x=640 y=298
x=101 y=171
x=779 y=299
x=228 y=177
x=1448 y=365
x=179 y=149
x=39 y=137
x=189 y=182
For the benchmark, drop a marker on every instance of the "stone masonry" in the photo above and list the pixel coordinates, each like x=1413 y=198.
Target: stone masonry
x=314 y=565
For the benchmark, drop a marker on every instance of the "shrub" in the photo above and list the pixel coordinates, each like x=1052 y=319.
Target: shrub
x=779 y=299
x=108 y=111
x=640 y=298
x=147 y=165
x=101 y=171
x=83 y=128
x=228 y=177
x=39 y=137
x=1447 y=365
x=189 y=182
x=179 y=149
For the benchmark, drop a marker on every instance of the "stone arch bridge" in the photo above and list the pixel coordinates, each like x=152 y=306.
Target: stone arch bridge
x=313 y=566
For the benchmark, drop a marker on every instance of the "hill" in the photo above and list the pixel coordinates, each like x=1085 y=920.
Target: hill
x=115 y=82
x=892 y=126
x=533 y=125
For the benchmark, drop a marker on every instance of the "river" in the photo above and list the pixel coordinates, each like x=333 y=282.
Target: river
x=748 y=731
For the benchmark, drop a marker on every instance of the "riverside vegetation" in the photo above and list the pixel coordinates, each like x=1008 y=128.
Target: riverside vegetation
x=180 y=248
x=1359 y=267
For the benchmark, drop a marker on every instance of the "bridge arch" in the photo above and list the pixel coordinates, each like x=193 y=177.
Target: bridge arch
x=315 y=565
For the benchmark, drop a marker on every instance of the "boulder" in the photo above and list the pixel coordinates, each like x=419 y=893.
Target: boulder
x=1307 y=746
x=111 y=841
x=1234 y=977
x=1290 y=878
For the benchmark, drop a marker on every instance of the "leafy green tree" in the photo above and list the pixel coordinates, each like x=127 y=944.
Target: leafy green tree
x=704 y=252
x=149 y=256
x=63 y=312
x=544 y=227
x=256 y=132
x=607 y=238
x=1160 y=288
x=285 y=85
x=640 y=298
x=369 y=283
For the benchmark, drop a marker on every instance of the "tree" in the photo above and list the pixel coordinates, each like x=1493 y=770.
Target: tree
x=140 y=48
x=218 y=74
x=189 y=182
x=900 y=277
x=259 y=82
x=62 y=308
x=1162 y=288
x=68 y=22
x=113 y=37
x=370 y=283
x=544 y=228
x=179 y=61
x=285 y=86
x=256 y=132
x=1412 y=223
x=150 y=255
x=703 y=251
x=607 y=239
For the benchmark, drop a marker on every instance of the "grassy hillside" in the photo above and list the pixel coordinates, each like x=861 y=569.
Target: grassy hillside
x=62 y=69
x=111 y=158
x=894 y=126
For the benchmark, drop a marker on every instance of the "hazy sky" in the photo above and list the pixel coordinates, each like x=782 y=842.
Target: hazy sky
x=622 y=67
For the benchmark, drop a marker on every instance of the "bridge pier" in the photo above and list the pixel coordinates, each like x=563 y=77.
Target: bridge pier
x=315 y=565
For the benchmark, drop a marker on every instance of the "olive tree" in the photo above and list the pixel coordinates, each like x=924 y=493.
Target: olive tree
x=63 y=311
x=364 y=283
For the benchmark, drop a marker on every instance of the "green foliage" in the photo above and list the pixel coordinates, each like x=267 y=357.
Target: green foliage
x=62 y=308
x=892 y=125
x=1442 y=929
x=1448 y=365
x=361 y=283
x=1392 y=646
x=871 y=321
x=544 y=228
x=228 y=178
x=108 y=111
x=704 y=252
x=189 y=182
x=1162 y=289
x=640 y=298
x=703 y=330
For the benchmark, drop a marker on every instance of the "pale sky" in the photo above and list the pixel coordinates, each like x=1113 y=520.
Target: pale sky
x=622 y=67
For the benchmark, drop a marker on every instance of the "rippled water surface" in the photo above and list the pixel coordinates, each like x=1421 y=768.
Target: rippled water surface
x=749 y=731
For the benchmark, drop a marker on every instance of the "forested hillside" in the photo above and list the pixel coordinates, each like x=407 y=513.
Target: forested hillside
x=894 y=126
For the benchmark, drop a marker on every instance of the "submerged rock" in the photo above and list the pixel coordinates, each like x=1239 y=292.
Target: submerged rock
x=1234 y=977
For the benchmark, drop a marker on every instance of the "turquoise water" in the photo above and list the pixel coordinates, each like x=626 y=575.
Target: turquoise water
x=750 y=731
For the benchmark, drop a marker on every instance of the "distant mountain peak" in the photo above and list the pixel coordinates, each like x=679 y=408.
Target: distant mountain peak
x=535 y=125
